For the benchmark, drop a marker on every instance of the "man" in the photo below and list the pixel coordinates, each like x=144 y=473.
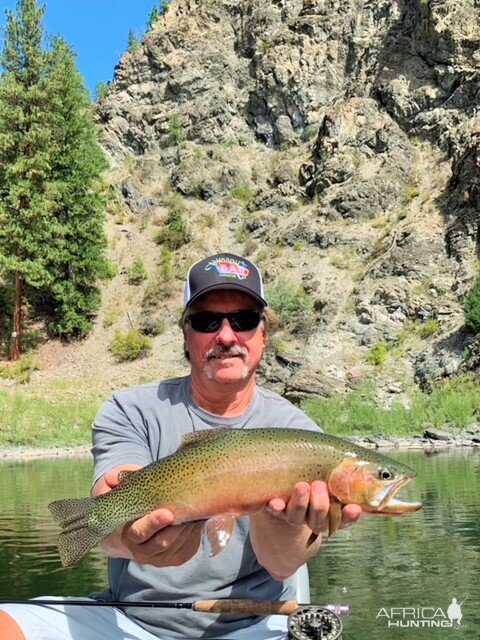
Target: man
x=225 y=323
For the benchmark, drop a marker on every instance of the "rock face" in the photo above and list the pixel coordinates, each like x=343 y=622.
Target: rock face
x=334 y=141
x=362 y=163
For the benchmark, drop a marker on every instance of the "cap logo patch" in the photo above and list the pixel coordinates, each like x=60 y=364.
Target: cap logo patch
x=228 y=268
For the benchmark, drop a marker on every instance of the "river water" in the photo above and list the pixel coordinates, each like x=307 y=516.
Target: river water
x=398 y=575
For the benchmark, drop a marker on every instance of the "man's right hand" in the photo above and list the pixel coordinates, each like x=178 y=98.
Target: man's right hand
x=152 y=539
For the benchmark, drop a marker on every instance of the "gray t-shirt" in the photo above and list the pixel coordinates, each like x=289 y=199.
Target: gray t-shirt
x=145 y=423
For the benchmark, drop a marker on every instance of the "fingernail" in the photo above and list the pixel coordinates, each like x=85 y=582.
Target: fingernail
x=303 y=491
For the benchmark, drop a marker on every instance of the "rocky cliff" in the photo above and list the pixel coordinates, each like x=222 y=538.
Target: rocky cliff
x=336 y=142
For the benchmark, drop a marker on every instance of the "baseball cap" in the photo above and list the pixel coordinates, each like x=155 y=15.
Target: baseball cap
x=223 y=271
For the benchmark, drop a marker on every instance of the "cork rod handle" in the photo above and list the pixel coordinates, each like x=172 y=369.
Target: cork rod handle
x=247 y=607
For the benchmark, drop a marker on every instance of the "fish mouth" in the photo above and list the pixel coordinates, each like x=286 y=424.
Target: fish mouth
x=385 y=502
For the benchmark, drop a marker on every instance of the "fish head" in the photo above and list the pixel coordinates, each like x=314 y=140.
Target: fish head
x=372 y=483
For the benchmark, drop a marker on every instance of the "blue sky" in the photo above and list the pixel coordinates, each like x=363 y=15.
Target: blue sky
x=96 y=29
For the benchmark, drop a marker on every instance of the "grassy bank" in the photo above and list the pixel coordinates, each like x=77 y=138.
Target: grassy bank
x=32 y=417
x=456 y=402
x=29 y=419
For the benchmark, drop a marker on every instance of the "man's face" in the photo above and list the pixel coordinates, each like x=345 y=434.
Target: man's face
x=225 y=356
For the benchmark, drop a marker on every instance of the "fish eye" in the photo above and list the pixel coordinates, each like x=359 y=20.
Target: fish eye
x=385 y=474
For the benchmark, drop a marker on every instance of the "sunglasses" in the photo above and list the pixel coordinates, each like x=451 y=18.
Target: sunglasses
x=211 y=321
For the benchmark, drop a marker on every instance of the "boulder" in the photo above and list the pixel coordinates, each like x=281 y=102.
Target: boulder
x=307 y=383
x=437 y=434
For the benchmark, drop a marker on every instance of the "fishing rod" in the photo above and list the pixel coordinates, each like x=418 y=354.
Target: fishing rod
x=225 y=606
x=305 y=621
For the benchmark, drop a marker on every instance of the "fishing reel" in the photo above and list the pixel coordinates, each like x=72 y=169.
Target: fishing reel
x=311 y=622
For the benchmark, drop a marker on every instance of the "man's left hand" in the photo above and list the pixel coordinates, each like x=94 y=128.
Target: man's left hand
x=309 y=504
x=281 y=534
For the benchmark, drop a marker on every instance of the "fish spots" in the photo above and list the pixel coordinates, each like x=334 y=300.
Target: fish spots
x=229 y=471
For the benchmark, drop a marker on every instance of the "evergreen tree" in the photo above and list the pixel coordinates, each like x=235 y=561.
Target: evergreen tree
x=471 y=307
x=132 y=43
x=79 y=196
x=164 y=4
x=26 y=215
x=51 y=237
x=153 y=17
x=101 y=90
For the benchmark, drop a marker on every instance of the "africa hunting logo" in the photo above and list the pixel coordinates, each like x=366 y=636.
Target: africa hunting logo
x=423 y=617
x=228 y=268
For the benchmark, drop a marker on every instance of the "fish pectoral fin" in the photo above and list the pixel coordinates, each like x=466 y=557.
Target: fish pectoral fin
x=218 y=530
x=334 y=517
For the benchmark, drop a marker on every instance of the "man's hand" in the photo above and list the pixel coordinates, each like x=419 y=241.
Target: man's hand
x=281 y=534
x=310 y=505
x=152 y=539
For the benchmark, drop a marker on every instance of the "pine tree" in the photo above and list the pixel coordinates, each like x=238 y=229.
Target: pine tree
x=51 y=238
x=132 y=43
x=101 y=90
x=26 y=215
x=153 y=17
x=164 y=4
x=79 y=196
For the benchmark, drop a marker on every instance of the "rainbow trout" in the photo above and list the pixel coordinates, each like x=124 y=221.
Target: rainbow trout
x=217 y=475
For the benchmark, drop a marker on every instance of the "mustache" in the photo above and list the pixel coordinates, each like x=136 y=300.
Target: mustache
x=222 y=350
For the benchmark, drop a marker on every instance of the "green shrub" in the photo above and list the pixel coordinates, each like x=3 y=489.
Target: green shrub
x=242 y=234
x=263 y=46
x=428 y=328
x=137 y=272
x=160 y=327
x=229 y=144
x=166 y=269
x=250 y=247
x=292 y=305
x=277 y=345
x=109 y=319
x=471 y=307
x=377 y=355
x=310 y=132
x=411 y=193
x=130 y=346
x=242 y=192
x=174 y=232
x=162 y=285
x=175 y=130
x=20 y=371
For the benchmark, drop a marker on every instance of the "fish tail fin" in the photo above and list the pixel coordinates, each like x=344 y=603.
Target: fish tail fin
x=78 y=535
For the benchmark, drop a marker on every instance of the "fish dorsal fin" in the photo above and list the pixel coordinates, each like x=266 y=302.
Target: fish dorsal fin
x=125 y=475
x=196 y=437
